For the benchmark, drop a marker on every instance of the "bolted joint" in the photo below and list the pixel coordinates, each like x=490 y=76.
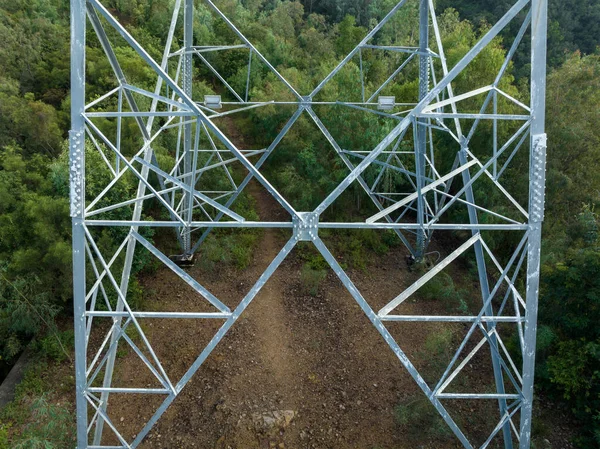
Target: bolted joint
x=306 y=102
x=76 y=173
x=306 y=226
x=537 y=178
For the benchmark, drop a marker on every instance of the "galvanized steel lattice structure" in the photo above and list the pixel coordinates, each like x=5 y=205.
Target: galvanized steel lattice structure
x=420 y=211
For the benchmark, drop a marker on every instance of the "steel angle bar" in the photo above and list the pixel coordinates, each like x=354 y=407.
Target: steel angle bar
x=165 y=61
x=350 y=55
x=100 y=276
x=350 y=166
x=93 y=446
x=427 y=276
x=506 y=418
x=388 y=166
x=140 y=50
x=129 y=202
x=503 y=69
x=103 y=97
x=502 y=274
x=512 y=155
x=249 y=176
x=93 y=292
x=362 y=76
x=376 y=321
x=104 y=158
x=140 y=114
x=219 y=164
x=457 y=98
x=424 y=190
x=329 y=225
x=106 y=419
x=100 y=350
x=248 y=75
x=443 y=83
x=508 y=357
x=190 y=190
x=253 y=49
x=140 y=176
x=502 y=396
x=477 y=396
x=442 y=115
x=182 y=274
x=207 y=49
x=438 y=40
x=216 y=151
x=157 y=97
x=512 y=99
x=372 y=111
x=218 y=75
x=129 y=390
x=115 y=334
x=480 y=208
x=116 y=67
x=481 y=171
x=164 y=381
x=178 y=315
x=452 y=318
x=492 y=338
x=479 y=316
x=448 y=380
x=497 y=183
x=485 y=292
x=235 y=111
x=90 y=239
x=112 y=183
x=400 y=49
x=217 y=338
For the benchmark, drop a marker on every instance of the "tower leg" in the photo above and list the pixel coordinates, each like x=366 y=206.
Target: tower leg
x=537 y=177
x=187 y=202
x=77 y=175
x=421 y=130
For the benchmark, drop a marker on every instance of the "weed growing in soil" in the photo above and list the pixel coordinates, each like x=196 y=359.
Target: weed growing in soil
x=438 y=350
x=418 y=418
x=441 y=288
x=52 y=427
x=311 y=279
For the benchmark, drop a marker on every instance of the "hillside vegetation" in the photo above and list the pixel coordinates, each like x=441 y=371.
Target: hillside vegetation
x=304 y=40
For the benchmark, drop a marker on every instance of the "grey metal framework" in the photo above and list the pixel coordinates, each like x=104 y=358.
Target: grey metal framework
x=420 y=211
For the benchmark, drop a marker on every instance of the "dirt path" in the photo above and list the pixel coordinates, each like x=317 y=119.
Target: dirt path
x=268 y=313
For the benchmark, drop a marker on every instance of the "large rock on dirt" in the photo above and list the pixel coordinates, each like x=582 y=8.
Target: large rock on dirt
x=273 y=421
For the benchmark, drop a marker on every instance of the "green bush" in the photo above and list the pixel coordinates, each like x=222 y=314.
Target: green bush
x=54 y=344
x=23 y=314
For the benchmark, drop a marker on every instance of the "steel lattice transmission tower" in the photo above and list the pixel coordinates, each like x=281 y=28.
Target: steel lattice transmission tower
x=193 y=211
